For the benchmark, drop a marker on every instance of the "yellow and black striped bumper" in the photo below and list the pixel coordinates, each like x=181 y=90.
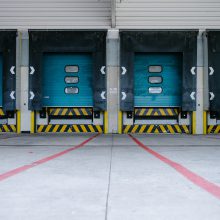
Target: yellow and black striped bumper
x=8 y=128
x=147 y=112
x=213 y=129
x=70 y=111
x=70 y=128
x=2 y=112
x=156 y=129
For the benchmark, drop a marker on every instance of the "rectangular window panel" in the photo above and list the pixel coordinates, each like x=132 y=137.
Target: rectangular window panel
x=155 y=90
x=155 y=69
x=71 y=69
x=71 y=79
x=155 y=79
x=71 y=90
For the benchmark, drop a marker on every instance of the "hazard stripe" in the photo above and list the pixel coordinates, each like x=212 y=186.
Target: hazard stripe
x=127 y=128
x=57 y=112
x=150 y=128
x=213 y=129
x=91 y=128
x=185 y=129
x=217 y=129
x=156 y=112
x=65 y=111
x=63 y=129
x=84 y=112
x=7 y=128
x=70 y=111
x=142 y=111
x=163 y=129
x=76 y=128
x=13 y=128
x=156 y=131
x=169 y=111
x=149 y=112
x=177 y=129
x=1 y=112
x=99 y=128
x=48 y=128
x=70 y=128
x=142 y=129
x=162 y=112
x=172 y=129
x=210 y=127
x=77 y=112
x=55 y=128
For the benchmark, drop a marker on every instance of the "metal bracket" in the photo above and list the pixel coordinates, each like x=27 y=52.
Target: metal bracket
x=211 y=71
x=103 y=95
x=124 y=70
x=12 y=95
x=192 y=95
x=32 y=70
x=31 y=95
x=212 y=96
x=123 y=95
x=193 y=70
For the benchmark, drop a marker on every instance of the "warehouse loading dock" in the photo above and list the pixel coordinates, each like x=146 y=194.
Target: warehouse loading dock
x=158 y=81
x=8 y=112
x=70 y=95
x=103 y=95
x=213 y=114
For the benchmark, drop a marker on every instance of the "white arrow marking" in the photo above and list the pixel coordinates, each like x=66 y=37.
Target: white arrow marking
x=12 y=95
x=102 y=70
x=123 y=95
x=193 y=70
x=32 y=70
x=212 y=96
x=211 y=71
x=32 y=95
x=123 y=70
x=103 y=95
x=12 y=70
x=192 y=95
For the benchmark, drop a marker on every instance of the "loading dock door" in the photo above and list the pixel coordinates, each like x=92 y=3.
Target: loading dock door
x=1 y=73
x=157 y=79
x=67 y=80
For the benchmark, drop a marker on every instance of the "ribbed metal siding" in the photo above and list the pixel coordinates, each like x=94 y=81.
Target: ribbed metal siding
x=172 y=14
x=50 y=14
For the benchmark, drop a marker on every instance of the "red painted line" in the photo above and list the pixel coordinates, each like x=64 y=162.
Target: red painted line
x=44 y=160
x=193 y=177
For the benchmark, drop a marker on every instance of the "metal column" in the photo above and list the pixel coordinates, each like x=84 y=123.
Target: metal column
x=22 y=81
x=112 y=79
x=200 y=85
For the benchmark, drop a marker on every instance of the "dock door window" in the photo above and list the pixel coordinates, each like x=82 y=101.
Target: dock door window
x=72 y=69
x=155 y=79
x=71 y=79
x=155 y=69
x=71 y=90
x=155 y=90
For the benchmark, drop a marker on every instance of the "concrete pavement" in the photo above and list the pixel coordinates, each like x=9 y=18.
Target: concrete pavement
x=110 y=178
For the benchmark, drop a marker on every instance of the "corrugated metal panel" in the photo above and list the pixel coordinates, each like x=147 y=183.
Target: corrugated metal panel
x=172 y=14
x=52 y=14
